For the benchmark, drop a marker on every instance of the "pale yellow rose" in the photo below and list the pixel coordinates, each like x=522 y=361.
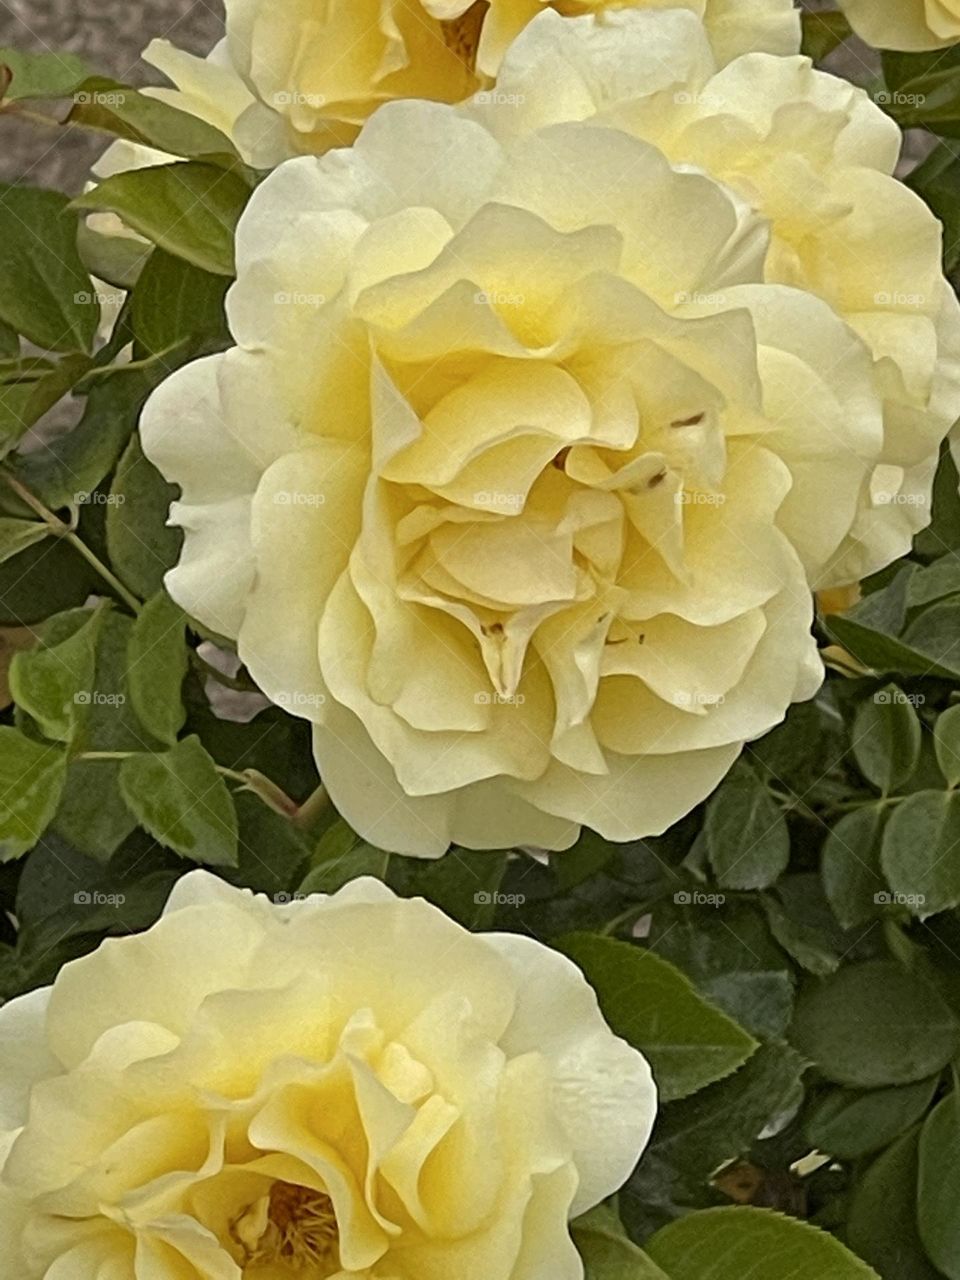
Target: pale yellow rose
x=308 y=75
x=910 y=25
x=519 y=475
x=351 y=1086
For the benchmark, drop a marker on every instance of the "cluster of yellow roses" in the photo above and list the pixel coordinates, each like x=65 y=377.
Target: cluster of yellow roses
x=576 y=344
x=548 y=407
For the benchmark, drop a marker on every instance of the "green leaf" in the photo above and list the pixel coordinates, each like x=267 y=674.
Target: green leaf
x=607 y=1251
x=852 y=879
x=937 y=581
x=273 y=851
x=181 y=800
x=140 y=545
x=17 y=535
x=119 y=260
x=102 y=103
x=919 y=853
x=823 y=32
x=937 y=183
x=158 y=661
x=875 y=1024
x=946 y=741
x=654 y=1007
x=45 y=292
x=463 y=884
x=9 y=342
x=175 y=303
x=886 y=739
x=43 y=580
x=54 y=683
x=746 y=835
x=30 y=387
x=339 y=865
x=806 y=944
x=851 y=1123
x=728 y=1244
x=191 y=209
x=69 y=469
x=939 y=1186
x=41 y=75
x=882 y=1218
x=31 y=779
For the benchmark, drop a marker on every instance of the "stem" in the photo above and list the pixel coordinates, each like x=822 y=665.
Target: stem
x=313 y=808
x=63 y=530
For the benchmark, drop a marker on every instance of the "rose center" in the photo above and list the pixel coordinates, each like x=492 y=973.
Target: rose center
x=462 y=34
x=292 y=1225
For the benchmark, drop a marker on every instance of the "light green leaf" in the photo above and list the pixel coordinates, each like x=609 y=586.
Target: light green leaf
x=45 y=292
x=746 y=835
x=946 y=741
x=939 y=1186
x=54 y=683
x=41 y=75
x=181 y=800
x=105 y=104
x=852 y=879
x=30 y=387
x=337 y=868
x=875 y=1024
x=653 y=1006
x=158 y=660
x=191 y=209
x=728 y=1244
x=31 y=779
x=919 y=852
x=886 y=739
x=17 y=535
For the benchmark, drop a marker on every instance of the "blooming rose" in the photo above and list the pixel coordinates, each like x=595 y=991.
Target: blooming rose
x=306 y=78
x=905 y=24
x=525 y=460
x=345 y=1086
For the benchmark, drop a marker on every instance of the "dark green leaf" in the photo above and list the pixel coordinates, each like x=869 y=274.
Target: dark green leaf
x=607 y=1251
x=158 y=660
x=175 y=303
x=823 y=32
x=919 y=853
x=882 y=1221
x=851 y=1123
x=465 y=885
x=746 y=835
x=31 y=779
x=886 y=739
x=852 y=878
x=141 y=546
x=875 y=1024
x=946 y=737
x=939 y=1186
x=29 y=388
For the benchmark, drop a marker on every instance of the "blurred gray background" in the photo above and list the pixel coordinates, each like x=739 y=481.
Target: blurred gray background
x=110 y=35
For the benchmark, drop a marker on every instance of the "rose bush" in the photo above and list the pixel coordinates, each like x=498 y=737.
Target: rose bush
x=515 y=484
x=303 y=83
x=905 y=24
x=344 y=1085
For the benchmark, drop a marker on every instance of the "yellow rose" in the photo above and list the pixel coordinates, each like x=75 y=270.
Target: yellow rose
x=308 y=80
x=351 y=1086
x=905 y=24
x=521 y=470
